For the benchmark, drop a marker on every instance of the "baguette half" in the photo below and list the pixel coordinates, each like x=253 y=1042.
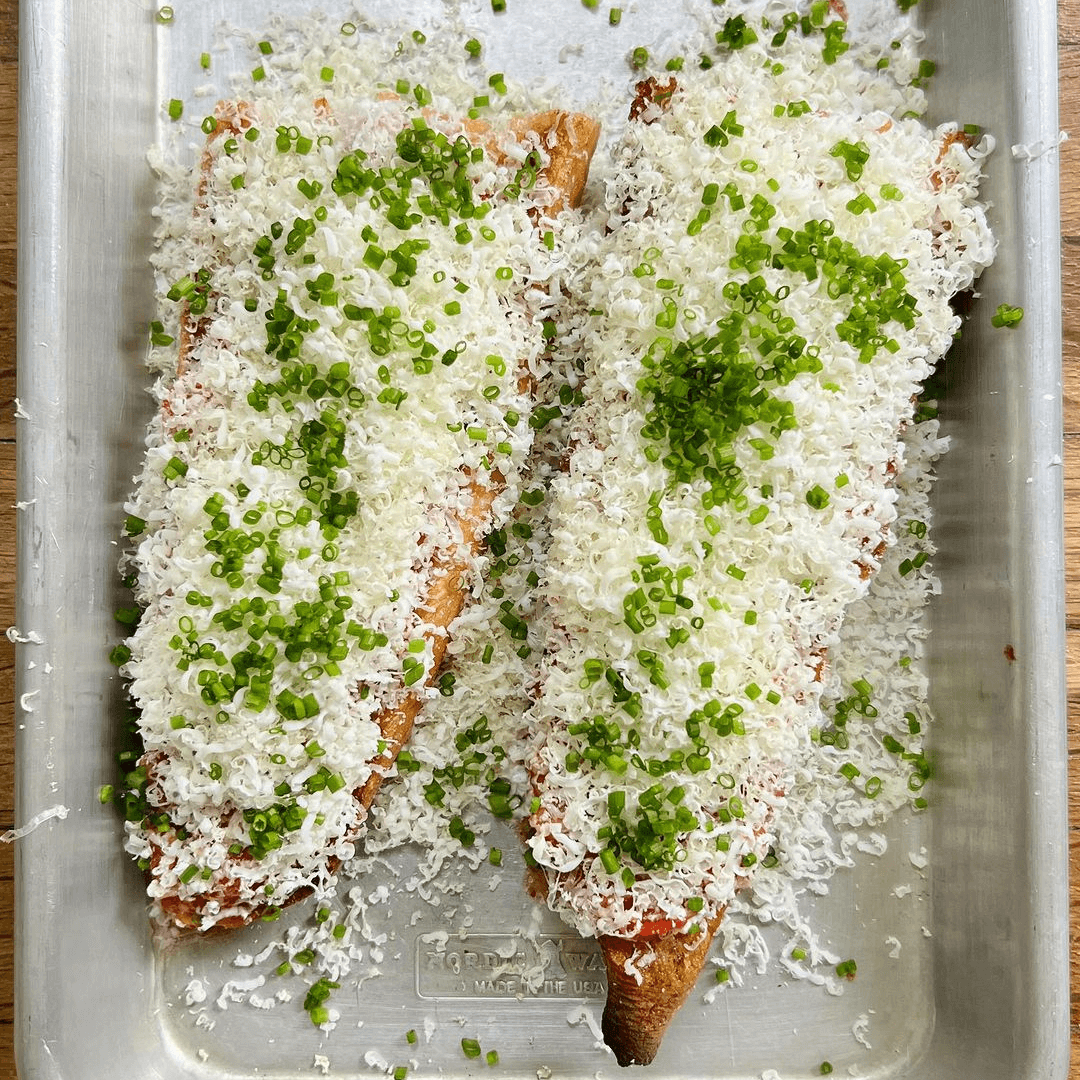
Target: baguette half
x=760 y=339
x=206 y=866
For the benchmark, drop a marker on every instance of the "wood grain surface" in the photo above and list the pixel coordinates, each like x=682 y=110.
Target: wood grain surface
x=9 y=83
x=1069 y=56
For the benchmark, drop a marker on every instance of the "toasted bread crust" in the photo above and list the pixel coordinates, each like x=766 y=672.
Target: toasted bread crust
x=637 y=1013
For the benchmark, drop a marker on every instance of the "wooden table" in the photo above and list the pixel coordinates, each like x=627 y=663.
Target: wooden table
x=8 y=114
x=1069 y=53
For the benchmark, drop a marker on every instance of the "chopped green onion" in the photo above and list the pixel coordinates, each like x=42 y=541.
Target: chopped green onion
x=176 y=109
x=861 y=203
x=319 y=993
x=1007 y=315
x=855 y=157
x=175 y=469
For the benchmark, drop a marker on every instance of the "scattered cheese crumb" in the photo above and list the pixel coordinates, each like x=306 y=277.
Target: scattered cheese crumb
x=39 y=818
x=859 y=1030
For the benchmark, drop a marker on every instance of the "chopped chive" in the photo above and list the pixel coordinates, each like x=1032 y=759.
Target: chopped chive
x=1007 y=315
x=846 y=969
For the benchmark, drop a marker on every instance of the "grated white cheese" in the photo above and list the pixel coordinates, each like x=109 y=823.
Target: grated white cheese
x=860 y=1030
x=425 y=387
x=48 y=814
x=764 y=580
x=582 y=1014
x=822 y=821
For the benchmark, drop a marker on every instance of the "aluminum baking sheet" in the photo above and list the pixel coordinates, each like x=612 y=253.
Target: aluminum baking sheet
x=981 y=991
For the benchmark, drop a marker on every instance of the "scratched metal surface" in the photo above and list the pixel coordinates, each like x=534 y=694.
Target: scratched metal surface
x=980 y=992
